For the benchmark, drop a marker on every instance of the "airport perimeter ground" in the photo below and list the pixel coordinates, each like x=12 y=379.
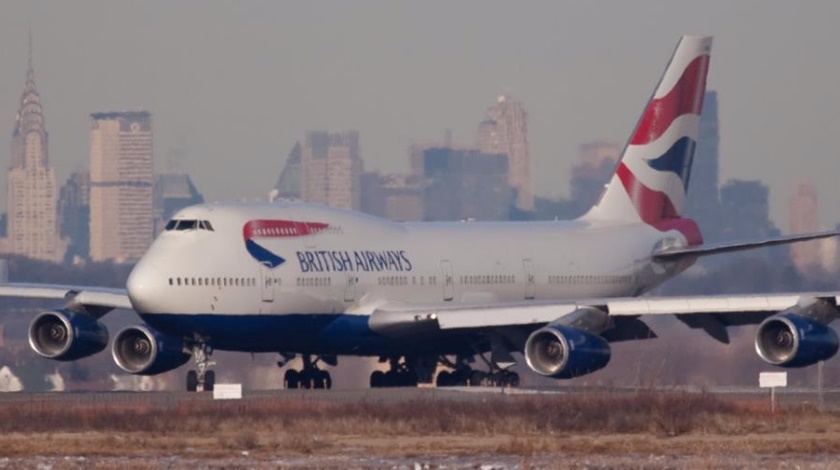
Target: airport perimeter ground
x=421 y=428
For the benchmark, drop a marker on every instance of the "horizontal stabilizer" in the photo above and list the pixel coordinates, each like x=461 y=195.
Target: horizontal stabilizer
x=676 y=254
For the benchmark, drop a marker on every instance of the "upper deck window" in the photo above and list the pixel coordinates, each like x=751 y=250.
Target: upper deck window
x=185 y=224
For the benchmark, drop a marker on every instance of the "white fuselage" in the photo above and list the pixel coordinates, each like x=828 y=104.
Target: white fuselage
x=354 y=263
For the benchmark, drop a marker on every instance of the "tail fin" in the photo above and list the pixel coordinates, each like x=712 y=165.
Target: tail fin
x=651 y=181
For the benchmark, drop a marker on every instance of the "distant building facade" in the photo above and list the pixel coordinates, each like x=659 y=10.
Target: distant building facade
x=465 y=184
x=331 y=169
x=74 y=216
x=745 y=210
x=814 y=258
x=505 y=131
x=121 y=185
x=394 y=197
x=31 y=188
x=598 y=160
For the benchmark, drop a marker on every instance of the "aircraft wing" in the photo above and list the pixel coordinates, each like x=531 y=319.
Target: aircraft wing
x=709 y=313
x=95 y=300
x=704 y=250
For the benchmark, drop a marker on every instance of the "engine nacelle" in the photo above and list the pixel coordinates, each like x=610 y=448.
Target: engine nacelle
x=67 y=336
x=143 y=351
x=563 y=352
x=790 y=340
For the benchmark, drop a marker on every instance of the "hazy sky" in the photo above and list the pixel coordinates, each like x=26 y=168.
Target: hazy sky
x=231 y=86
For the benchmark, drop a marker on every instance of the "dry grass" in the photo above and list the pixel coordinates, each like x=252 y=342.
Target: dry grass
x=647 y=423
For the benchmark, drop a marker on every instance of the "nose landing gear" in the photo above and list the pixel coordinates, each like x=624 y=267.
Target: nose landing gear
x=201 y=379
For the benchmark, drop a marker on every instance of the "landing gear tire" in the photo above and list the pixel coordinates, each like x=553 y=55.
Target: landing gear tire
x=209 y=380
x=291 y=380
x=510 y=379
x=477 y=378
x=324 y=380
x=377 y=379
x=192 y=381
x=444 y=379
x=401 y=374
x=310 y=377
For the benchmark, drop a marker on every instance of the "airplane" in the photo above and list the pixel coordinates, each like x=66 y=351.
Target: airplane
x=319 y=282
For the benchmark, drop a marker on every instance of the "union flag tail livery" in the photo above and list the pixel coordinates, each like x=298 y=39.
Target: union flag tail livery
x=651 y=181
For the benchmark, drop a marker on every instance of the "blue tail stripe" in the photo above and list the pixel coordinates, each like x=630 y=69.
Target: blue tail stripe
x=677 y=159
x=262 y=255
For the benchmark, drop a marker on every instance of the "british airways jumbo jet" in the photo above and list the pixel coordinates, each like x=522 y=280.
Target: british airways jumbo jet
x=301 y=279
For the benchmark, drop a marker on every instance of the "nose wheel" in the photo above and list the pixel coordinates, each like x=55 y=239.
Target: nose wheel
x=201 y=379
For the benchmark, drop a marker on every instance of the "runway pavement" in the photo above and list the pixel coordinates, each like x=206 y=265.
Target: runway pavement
x=790 y=396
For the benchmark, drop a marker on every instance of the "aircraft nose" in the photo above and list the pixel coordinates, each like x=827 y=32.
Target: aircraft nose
x=141 y=284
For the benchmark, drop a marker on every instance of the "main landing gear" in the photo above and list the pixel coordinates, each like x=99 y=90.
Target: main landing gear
x=400 y=374
x=463 y=375
x=409 y=371
x=309 y=377
x=201 y=379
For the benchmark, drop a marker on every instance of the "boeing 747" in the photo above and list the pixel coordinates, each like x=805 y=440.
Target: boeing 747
x=310 y=280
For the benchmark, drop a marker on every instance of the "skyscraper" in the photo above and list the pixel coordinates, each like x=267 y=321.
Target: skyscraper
x=817 y=257
x=745 y=211
x=331 y=169
x=505 y=131
x=703 y=201
x=74 y=216
x=31 y=188
x=465 y=184
x=121 y=185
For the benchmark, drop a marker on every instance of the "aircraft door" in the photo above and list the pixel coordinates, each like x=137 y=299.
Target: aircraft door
x=308 y=238
x=266 y=284
x=448 y=280
x=530 y=279
x=350 y=287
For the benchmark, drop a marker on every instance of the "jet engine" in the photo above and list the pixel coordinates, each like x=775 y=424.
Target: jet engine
x=144 y=351
x=67 y=336
x=564 y=352
x=791 y=340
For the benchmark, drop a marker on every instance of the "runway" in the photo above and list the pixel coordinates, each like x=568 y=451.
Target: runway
x=830 y=399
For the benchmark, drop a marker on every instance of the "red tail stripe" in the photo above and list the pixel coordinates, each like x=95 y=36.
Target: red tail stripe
x=651 y=205
x=656 y=209
x=686 y=97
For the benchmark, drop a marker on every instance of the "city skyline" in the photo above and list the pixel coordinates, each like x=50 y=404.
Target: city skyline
x=776 y=122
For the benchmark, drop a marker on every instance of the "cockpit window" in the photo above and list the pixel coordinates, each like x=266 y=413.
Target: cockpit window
x=180 y=225
x=187 y=225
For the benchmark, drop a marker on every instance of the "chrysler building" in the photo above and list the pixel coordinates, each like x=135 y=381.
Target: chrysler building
x=31 y=190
